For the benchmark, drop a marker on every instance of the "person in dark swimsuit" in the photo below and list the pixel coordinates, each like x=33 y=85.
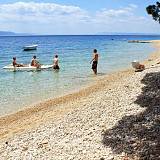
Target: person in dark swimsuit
x=94 y=61
x=15 y=64
x=55 y=62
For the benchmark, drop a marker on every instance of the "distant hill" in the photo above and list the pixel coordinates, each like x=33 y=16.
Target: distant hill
x=5 y=33
x=8 y=33
x=121 y=33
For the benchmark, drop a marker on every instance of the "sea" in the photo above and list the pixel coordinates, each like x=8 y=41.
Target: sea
x=21 y=89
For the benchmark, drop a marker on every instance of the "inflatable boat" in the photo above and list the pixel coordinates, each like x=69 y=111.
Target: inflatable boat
x=27 y=68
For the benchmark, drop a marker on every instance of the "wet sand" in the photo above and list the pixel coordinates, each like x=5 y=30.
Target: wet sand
x=71 y=127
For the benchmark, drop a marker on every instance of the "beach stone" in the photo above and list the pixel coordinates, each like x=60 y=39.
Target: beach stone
x=110 y=158
x=25 y=149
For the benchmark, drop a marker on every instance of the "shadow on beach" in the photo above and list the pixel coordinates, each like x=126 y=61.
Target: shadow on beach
x=138 y=136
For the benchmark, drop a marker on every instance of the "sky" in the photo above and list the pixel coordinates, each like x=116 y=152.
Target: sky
x=77 y=16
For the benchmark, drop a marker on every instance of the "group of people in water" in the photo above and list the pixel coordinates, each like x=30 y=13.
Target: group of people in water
x=35 y=62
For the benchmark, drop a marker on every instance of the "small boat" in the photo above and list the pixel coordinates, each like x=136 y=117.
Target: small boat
x=31 y=47
x=137 y=41
x=27 y=68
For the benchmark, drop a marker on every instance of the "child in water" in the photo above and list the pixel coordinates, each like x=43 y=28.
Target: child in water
x=15 y=64
x=55 y=62
x=34 y=62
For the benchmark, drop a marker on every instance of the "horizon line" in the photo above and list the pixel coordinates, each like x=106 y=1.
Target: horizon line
x=118 y=34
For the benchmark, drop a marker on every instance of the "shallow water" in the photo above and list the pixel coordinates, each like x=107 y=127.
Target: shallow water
x=20 y=89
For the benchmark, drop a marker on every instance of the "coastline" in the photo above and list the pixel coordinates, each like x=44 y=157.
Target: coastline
x=56 y=109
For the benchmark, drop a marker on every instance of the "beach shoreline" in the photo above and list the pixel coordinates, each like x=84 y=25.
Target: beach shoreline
x=52 y=111
x=23 y=118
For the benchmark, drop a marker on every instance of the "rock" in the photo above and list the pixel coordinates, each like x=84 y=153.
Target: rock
x=25 y=149
x=110 y=158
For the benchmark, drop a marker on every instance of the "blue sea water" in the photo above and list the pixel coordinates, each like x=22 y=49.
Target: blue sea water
x=20 y=89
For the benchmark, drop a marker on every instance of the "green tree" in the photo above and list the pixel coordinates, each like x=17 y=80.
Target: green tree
x=154 y=11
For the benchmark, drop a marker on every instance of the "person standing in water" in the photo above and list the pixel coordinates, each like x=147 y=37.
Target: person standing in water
x=94 y=61
x=55 y=62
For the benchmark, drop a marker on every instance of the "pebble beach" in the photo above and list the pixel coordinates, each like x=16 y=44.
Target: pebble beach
x=116 y=118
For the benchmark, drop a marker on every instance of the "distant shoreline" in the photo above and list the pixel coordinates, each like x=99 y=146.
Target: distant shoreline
x=41 y=35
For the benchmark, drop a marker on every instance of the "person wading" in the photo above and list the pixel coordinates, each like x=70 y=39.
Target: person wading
x=94 y=61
